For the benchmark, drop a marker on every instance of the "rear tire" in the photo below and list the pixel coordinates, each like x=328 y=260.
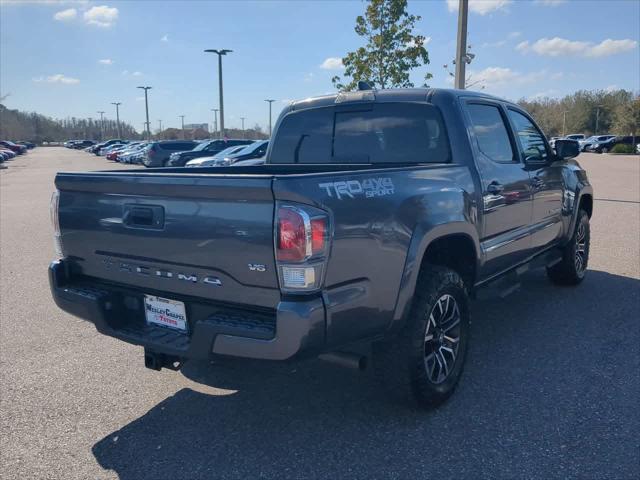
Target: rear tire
x=423 y=363
x=572 y=269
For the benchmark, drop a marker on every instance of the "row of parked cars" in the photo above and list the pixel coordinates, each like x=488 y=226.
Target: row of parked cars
x=9 y=150
x=180 y=153
x=598 y=143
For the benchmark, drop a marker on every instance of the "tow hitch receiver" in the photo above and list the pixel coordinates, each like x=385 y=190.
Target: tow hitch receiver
x=158 y=361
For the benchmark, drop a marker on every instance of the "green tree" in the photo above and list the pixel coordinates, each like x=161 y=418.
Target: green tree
x=392 y=50
x=626 y=118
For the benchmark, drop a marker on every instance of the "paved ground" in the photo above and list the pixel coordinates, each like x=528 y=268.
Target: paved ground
x=551 y=389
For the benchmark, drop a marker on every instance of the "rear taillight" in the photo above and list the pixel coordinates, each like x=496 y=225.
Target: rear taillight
x=302 y=239
x=57 y=236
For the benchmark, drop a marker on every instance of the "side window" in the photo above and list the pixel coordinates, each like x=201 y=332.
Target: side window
x=531 y=140
x=491 y=132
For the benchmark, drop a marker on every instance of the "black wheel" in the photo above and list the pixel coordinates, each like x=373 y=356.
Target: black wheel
x=423 y=363
x=572 y=269
x=605 y=150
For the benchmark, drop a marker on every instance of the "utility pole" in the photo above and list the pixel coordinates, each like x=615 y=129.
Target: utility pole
x=461 y=50
x=101 y=112
x=564 y=123
x=598 y=107
x=215 y=120
x=146 y=106
x=159 y=128
x=220 y=53
x=182 y=118
x=117 y=104
x=243 y=134
x=270 y=102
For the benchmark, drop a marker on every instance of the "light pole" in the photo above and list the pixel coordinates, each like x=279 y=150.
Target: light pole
x=270 y=101
x=182 y=118
x=101 y=112
x=117 y=104
x=146 y=106
x=159 y=128
x=564 y=123
x=215 y=120
x=242 y=119
x=461 y=50
x=598 y=107
x=220 y=53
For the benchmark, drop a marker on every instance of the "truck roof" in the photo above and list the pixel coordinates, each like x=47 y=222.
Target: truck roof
x=389 y=95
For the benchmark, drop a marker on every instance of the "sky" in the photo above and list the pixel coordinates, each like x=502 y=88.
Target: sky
x=73 y=58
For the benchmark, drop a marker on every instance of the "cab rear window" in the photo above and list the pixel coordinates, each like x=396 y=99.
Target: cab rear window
x=372 y=133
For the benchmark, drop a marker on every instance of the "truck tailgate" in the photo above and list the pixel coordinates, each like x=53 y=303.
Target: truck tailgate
x=208 y=236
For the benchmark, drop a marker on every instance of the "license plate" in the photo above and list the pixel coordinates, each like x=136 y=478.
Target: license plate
x=165 y=312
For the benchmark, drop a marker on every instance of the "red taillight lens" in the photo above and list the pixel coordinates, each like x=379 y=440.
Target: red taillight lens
x=292 y=238
x=318 y=234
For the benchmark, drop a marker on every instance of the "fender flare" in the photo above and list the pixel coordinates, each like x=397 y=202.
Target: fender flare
x=585 y=190
x=420 y=242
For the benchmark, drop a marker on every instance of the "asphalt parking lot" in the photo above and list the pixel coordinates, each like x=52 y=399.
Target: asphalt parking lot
x=551 y=388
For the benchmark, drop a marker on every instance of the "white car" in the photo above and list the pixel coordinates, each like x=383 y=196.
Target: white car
x=216 y=160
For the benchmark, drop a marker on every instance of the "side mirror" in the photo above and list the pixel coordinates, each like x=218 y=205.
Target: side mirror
x=566 y=149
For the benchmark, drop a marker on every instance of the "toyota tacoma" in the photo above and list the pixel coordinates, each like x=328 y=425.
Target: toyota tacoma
x=374 y=219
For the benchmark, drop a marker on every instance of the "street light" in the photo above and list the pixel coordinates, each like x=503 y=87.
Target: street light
x=220 y=53
x=182 y=118
x=215 y=119
x=462 y=58
x=159 y=128
x=117 y=104
x=564 y=122
x=598 y=107
x=243 y=134
x=101 y=112
x=146 y=106
x=270 y=102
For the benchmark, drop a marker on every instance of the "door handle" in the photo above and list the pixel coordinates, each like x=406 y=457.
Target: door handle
x=495 y=187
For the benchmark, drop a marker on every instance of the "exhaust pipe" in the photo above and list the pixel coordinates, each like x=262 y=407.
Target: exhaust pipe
x=345 y=359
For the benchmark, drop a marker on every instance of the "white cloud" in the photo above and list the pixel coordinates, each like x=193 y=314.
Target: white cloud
x=66 y=15
x=481 y=7
x=611 y=88
x=165 y=38
x=427 y=41
x=125 y=72
x=556 y=47
x=137 y=74
x=491 y=77
x=101 y=16
x=106 y=61
x=57 y=78
x=550 y=3
x=332 y=63
x=513 y=35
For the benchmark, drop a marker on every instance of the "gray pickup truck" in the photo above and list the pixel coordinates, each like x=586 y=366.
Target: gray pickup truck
x=375 y=218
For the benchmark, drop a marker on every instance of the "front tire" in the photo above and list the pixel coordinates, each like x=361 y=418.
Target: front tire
x=572 y=269
x=423 y=363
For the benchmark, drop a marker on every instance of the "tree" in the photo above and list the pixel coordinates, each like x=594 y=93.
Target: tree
x=392 y=50
x=626 y=118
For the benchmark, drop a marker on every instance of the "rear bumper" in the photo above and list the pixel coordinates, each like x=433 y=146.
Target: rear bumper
x=295 y=328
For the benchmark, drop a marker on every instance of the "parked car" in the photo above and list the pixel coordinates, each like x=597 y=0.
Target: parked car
x=18 y=149
x=7 y=153
x=250 y=163
x=575 y=136
x=584 y=144
x=638 y=148
x=104 y=151
x=375 y=218
x=97 y=148
x=79 y=145
x=157 y=155
x=127 y=154
x=204 y=149
x=215 y=160
x=552 y=141
x=255 y=150
x=607 y=145
x=29 y=145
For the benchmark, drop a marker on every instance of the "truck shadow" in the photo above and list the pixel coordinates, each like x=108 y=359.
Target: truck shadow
x=531 y=396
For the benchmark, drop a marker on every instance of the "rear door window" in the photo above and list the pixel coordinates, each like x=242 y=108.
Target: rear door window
x=371 y=133
x=491 y=132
